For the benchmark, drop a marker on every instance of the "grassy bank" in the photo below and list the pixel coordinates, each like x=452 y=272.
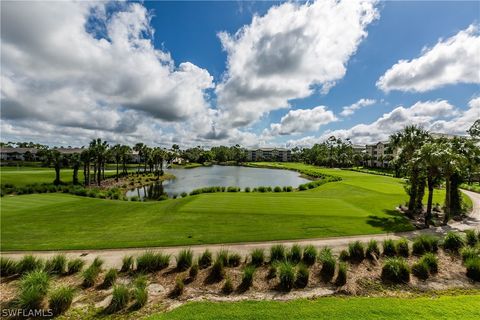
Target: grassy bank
x=442 y=307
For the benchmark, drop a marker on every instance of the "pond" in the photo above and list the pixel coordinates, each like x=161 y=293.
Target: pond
x=187 y=180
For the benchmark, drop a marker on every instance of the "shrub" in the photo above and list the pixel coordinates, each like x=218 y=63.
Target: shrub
x=97 y=262
x=473 y=268
x=301 y=278
x=431 y=261
x=29 y=263
x=420 y=270
x=471 y=237
x=469 y=252
x=217 y=272
x=193 y=272
x=342 y=274
x=247 y=277
x=424 y=243
x=140 y=296
x=8 y=267
x=120 y=298
x=258 y=257
x=34 y=286
x=205 y=259
x=234 y=260
x=152 y=261
x=402 y=248
x=272 y=271
x=222 y=255
x=179 y=287
x=396 y=270
x=247 y=189
x=356 y=251
x=309 y=255
x=227 y=286
x=328 y=264
x=110 y=278
x=56 y=265
x=61 y=299
x=277 y=253
x=286 y=275
x=453 y=241
x=184 y=194
x=75 y=265
x=127 y=264
x=90 y=276
x=343 y=256
x=184 y=259
x=389 y=248
x=372 y=251
x=295 y=254
x=140 y=281
x=277 y=189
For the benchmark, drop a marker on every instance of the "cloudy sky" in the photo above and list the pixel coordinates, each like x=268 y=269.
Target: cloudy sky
x=252 y=73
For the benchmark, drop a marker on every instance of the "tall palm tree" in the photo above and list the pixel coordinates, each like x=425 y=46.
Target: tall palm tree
x=99 y=150
x=85 y=157
x=116 y=152
x=75 y=162
x=407 y=142
x=140 y=148
x=125 y=152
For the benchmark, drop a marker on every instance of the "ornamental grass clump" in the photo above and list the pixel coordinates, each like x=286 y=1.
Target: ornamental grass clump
x=302 y=276
x=120 y=298
x=356 y=251
x=29 y=263
x=56 y=265
x=402 y=248
x=34 y=286
x=184 y=259
x=396 y=270
x=389 y=248
x=328 y=264
x=247 y=277
x=60 y=299
x=424 y=243
x=469 y=252
x=473 y=268
x=8 y=267
x=193 y=272
x=127 y=264
x=152 y=262
x=295 y=254
x=222 y=255
x=110 y=278
x=472 y=238
x=342 y=274
x=234 y=260
x=453 y=241
x=179 y=287
x=272 y=271
x=205 y=259
x=90 y=276
x=277 y=253
x=372 y=252
x=227 y=286
x=140 y=296
x=258 y=257
x=309 y=255
x=343 y=256
x=420 y=270
x=217 y=271
x=286 y=275
x=75 y=266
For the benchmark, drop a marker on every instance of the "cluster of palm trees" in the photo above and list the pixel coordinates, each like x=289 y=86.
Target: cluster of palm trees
x=95 y=158
x=428 y=162
x=334 y=152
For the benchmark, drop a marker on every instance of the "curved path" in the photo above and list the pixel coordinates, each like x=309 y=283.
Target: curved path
x=113 y=257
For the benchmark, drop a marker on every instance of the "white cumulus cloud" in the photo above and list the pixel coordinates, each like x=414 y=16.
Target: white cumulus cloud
x=288 y=53
x=349 y=110
x=450 y=61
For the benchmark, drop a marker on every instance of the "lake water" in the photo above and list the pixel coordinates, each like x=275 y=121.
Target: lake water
x=189 y=179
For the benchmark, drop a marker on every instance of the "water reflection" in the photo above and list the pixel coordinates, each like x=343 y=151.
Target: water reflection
x=154 y=191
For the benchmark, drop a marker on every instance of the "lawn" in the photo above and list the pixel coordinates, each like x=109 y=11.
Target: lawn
x=442 y=307
x=359 y=204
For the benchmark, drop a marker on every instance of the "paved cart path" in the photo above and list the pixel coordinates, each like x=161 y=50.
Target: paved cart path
x=113 y=257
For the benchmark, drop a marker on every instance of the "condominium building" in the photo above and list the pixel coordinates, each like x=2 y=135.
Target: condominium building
x=379 y=154
x=269 y=154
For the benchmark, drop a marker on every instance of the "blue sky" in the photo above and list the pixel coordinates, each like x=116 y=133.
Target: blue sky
x=189 y=32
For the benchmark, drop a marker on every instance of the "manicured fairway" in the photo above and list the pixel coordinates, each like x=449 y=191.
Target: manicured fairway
x=359 y=204
x=443 y=307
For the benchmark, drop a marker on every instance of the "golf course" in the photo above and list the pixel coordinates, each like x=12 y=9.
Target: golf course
x=358 y=204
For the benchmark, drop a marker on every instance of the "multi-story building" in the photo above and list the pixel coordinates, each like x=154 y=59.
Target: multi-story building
x=18 y=154
x=269 y=154
x=379 y=154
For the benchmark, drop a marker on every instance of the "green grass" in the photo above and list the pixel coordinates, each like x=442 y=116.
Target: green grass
x=443 y=307
x=359 y=204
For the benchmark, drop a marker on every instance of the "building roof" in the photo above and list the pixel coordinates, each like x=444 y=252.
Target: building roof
x=18 y=150
x=269 y=149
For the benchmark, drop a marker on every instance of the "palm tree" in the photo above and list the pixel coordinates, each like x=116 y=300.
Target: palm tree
x=116 y=152
x=58 y=161
x=99 y=150
x=408 y=141
x=125 y=152
x=85 y=157
x=75 y=162
x=140 y=148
